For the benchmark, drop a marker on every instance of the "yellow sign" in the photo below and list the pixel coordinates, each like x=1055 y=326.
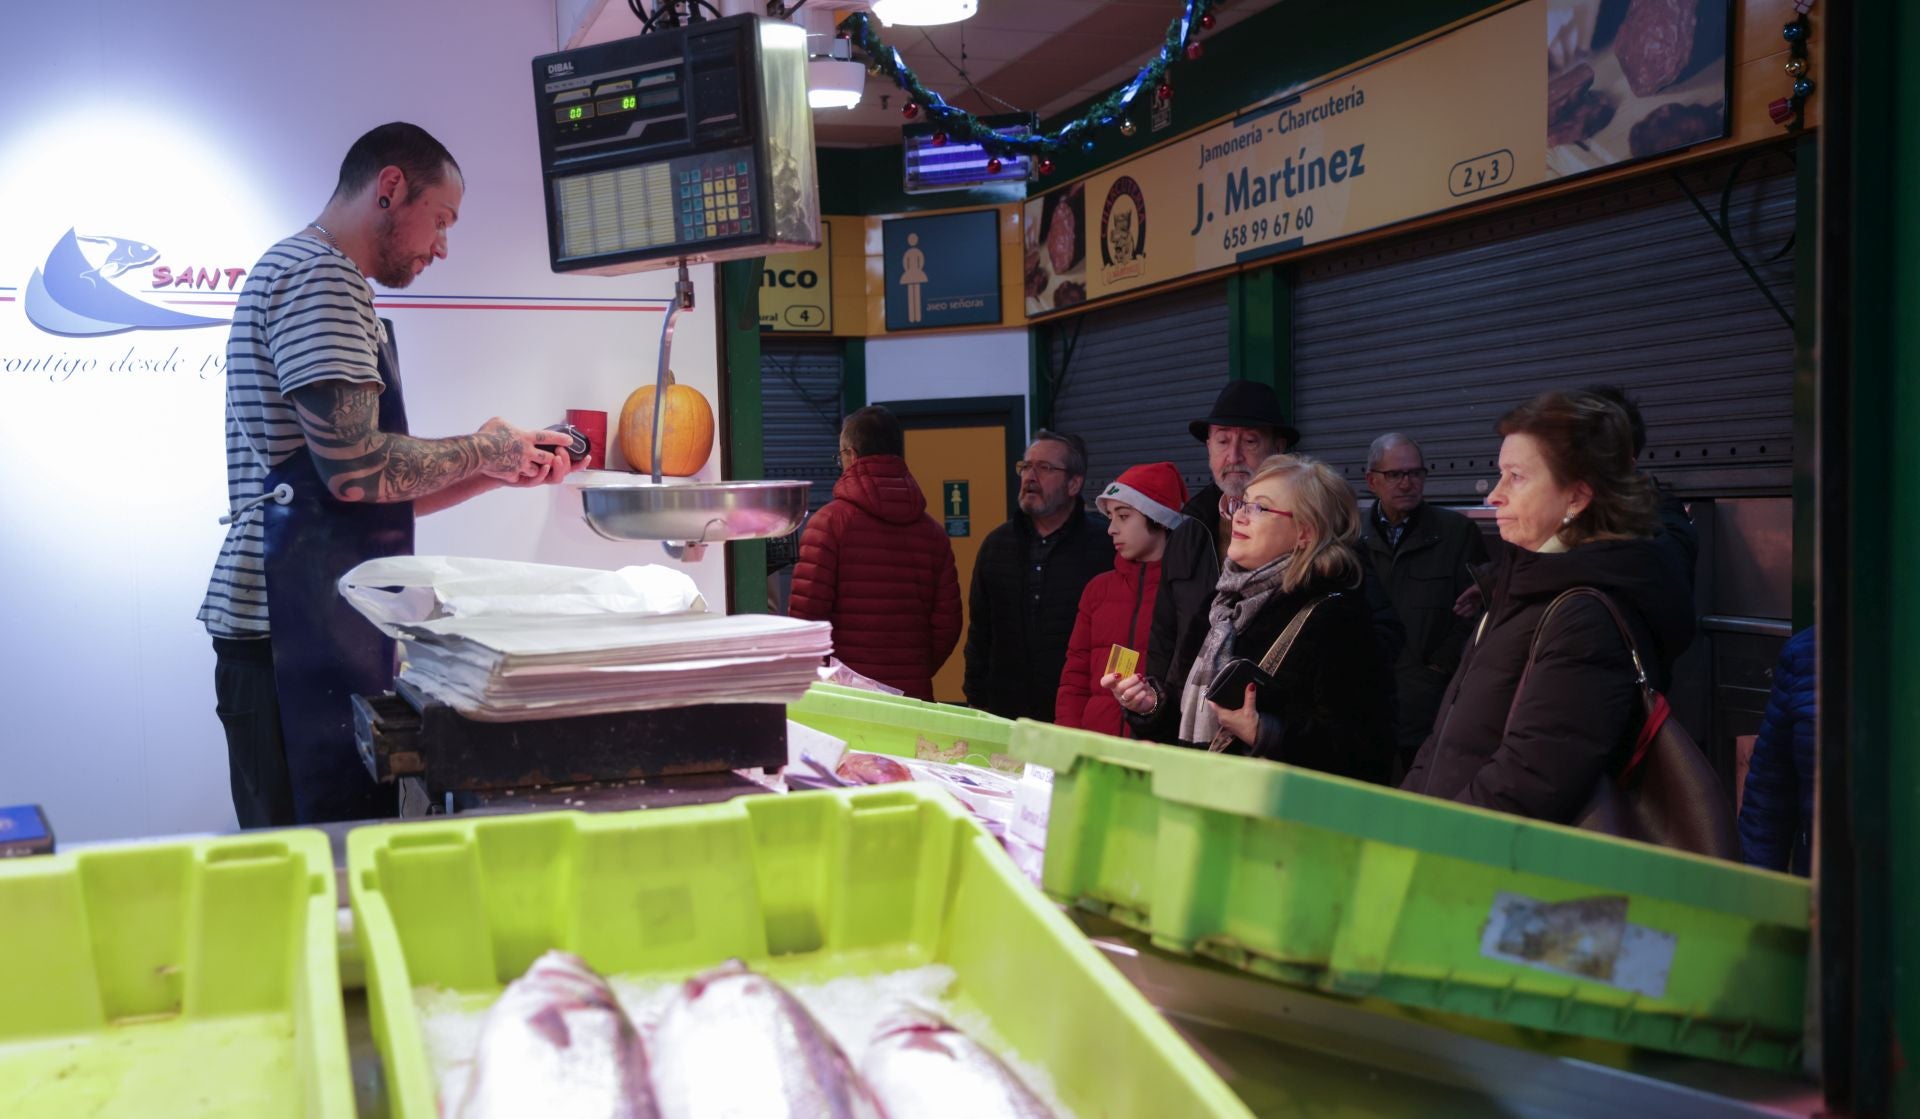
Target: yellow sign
x=796 y=290
x=1538 y=91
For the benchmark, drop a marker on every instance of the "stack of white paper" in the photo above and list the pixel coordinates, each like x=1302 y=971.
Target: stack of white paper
x=508 y=668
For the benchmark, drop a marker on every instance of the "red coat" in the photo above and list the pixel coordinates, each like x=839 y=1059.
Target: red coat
x=1115 y=609
x=880 y=569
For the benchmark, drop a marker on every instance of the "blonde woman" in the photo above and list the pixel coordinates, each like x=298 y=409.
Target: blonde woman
x=1329 y=704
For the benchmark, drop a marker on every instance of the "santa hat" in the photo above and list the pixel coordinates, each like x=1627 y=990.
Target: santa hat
x=1155 y=489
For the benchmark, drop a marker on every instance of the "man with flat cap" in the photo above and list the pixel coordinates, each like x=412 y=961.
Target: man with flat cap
x=1244 y=427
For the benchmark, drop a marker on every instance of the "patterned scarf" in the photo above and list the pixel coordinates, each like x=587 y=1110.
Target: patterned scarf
x=1239 y=597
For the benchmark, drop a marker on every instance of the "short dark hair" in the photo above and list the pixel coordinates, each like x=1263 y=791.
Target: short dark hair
x=1585 y=438
x=1076 y=450
x=874 y=431
x=423 y=159
x=1617 y=396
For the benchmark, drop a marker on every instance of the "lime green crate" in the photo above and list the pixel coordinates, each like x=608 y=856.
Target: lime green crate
x=808 y=886
x=890 y=724
x=189 y=978
x=1355 y=889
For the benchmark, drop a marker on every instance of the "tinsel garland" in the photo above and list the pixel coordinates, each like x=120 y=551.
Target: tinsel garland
x=1181 y=42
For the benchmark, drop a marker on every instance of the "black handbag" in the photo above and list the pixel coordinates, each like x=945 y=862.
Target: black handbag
x=1276 y=655
x=1666 y=793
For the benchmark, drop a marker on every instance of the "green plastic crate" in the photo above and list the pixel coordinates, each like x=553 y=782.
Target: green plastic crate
x=810 y=885
x=890 y=724
x=1356 y=889
x=190 y=978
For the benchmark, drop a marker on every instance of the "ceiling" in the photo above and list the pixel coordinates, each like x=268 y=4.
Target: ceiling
x=1042 y=56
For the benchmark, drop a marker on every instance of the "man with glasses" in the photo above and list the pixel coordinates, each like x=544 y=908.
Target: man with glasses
x=1027 y=582
x=1420 y=553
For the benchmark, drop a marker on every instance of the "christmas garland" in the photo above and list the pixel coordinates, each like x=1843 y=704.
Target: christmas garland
x=1182 y=42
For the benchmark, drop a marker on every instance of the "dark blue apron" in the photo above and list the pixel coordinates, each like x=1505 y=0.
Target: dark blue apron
x=324 y=651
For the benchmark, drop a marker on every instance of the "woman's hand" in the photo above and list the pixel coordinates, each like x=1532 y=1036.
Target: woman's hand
x=1131 y=692
x=1242 y=722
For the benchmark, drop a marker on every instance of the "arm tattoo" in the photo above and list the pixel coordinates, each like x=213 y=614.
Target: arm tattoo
x=359 y=462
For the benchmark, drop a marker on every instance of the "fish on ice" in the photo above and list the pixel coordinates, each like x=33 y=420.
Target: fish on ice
x=557 y=1045
x=920 y=1065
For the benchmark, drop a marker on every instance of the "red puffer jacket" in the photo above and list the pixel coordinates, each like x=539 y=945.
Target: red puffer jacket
x=880 y=569
x=1115 y=609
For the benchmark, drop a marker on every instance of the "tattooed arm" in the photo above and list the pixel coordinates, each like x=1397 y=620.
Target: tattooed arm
x=359 y=462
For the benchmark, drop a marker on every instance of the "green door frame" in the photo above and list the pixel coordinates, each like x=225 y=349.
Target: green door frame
x=1868 y=603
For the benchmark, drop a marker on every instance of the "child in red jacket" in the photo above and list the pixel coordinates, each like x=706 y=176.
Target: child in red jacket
x=1117 y=607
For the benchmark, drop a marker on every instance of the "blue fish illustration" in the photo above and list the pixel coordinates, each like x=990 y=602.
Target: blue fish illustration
x=66 y=297
x=123 y=255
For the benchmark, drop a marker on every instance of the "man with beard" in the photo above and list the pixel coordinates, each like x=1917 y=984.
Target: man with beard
x=1245 y=426
x=322 y=475
x=1027 y=581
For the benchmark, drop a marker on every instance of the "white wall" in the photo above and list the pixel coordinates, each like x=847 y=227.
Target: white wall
x=209 y=130
x=937 y=366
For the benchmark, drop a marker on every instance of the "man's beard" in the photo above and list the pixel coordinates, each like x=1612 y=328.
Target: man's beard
x=391 y=267
x=1234 y=483
x=1036 y=505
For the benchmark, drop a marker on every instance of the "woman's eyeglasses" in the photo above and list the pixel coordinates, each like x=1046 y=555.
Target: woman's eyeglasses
x=1253 y=508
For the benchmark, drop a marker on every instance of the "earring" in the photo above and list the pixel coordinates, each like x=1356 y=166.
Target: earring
x=383 y=202
x=1566 y=520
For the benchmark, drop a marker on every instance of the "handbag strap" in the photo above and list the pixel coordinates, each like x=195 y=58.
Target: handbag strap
x=1276 y=655
x=1653 y=702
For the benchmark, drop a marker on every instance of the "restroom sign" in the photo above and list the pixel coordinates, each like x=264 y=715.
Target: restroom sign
x=953 y=505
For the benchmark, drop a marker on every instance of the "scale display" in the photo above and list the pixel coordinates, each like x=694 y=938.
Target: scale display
x=692 y=144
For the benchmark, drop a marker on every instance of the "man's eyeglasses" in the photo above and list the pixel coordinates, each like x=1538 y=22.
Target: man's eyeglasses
x=1254 y=508
x=1395 y=477
x=1039 y=469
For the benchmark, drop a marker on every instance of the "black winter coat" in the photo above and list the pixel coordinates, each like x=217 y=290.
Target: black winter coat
x=1423 y=577
x=1016 y=648
x=1581 y=708
x=1328 y=708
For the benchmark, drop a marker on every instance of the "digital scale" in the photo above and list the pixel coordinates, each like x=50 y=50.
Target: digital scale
x=690 y=144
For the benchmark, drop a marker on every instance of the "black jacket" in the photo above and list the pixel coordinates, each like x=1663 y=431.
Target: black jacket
x=1327 y=708
x=1423 y=577
x=1188 y=570
x=1581 y=706
x=1015 y=648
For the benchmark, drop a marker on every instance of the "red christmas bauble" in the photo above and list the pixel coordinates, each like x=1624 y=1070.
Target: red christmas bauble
x=910 y=110
x=993 y=166
x=939 y=139
x=1194 y=51
x=1206 y=21
x=1165 y=92
x=1046 y=166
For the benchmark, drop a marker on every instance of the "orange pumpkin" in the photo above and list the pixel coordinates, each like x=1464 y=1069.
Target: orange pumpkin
x=687 y=442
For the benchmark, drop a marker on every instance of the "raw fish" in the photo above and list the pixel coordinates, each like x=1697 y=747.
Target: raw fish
x=921 y=1066
x=557 y=1046
x=736 y=1045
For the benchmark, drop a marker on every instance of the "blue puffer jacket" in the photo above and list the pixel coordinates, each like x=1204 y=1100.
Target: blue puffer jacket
x=1776 y=816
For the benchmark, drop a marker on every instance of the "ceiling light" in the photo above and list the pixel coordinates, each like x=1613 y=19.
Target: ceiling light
x=834 y=84
x=923 y=13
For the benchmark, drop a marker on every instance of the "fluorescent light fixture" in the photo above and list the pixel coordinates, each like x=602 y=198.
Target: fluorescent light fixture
x=834 y=84
x=923 y=13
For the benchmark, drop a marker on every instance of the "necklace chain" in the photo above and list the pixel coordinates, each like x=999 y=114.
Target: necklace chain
x=328 y=234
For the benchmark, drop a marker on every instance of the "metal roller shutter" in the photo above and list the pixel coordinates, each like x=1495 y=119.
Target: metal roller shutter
x=800 y=417
x=1439 y=335
x=1129 y=379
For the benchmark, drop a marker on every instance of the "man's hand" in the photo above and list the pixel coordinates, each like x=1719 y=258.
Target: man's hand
x=542 y=461
x=1469 y=602
x=1131 y=692
x=1242 y=722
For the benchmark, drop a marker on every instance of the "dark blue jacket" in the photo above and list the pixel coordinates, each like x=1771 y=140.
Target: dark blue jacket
x=1776 y=814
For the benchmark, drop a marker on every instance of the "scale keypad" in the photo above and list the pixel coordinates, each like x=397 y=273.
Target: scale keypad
x=716 y=199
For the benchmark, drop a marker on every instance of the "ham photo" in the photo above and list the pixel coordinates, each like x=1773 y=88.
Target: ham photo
x=1629 y=79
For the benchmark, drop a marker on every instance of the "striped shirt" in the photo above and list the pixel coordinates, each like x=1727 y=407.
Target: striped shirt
x=305 y=315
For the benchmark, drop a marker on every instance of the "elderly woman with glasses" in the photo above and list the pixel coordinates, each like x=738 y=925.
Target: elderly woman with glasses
x=1327 y=704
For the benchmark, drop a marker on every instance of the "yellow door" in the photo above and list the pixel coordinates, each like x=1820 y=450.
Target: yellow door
x=964 y=473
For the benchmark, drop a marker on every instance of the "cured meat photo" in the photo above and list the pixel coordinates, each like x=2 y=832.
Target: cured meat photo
x=1066 y=240
x=1676 y=126
x=1662 y=41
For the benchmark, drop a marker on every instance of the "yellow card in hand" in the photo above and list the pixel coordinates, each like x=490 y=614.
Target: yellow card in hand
x=1121 y=661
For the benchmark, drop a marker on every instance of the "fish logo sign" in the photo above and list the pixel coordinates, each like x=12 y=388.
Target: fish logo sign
x=73 y=293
